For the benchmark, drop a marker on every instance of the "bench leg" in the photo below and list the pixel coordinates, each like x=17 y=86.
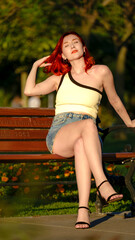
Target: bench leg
x=130 y=187
x=98 y=205
x=114 y=180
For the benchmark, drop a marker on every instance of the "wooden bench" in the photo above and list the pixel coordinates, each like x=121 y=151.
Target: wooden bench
x=22 y=139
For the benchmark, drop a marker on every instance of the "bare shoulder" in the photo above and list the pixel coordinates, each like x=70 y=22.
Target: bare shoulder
x=101 y=69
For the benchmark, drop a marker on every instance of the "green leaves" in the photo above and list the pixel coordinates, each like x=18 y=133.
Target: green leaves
x=30 y=29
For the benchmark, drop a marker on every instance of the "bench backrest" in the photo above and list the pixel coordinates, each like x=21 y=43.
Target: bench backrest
x=24 y=129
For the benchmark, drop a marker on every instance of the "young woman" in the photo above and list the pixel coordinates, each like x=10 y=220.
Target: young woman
x=79 y=84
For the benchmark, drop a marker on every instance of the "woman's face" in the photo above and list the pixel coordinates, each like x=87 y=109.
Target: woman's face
x=72 y=47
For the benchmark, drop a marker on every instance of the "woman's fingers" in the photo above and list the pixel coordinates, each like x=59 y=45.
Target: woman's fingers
x=45 y=64
x=41 y=62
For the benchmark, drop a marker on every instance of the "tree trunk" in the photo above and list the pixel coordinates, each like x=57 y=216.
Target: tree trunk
x=120 y=70
x=23 y=82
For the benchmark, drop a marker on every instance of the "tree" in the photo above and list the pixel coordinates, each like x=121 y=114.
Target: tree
x=30 y=30
x=119 y=22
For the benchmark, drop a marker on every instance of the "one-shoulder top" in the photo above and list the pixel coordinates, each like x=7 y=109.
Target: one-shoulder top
x=73 y=96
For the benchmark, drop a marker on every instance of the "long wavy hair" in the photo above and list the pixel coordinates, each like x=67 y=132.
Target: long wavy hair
x=60 y=67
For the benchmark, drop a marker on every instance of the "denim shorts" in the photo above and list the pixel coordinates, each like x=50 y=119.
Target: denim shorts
x=61 y=120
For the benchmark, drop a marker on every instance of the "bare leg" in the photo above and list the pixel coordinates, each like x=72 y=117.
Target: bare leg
x=67 y=137
x=66 y=140
x=83 y=177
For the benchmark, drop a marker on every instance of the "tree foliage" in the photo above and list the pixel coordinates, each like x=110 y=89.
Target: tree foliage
x=30 y=30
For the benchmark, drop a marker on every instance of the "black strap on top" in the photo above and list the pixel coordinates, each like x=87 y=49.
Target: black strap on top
x=61 y=80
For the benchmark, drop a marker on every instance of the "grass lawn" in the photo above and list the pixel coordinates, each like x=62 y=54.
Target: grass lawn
x=39 y=209
x=32 y=206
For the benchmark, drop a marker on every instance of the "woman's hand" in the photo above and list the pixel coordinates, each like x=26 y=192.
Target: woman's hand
x=41 y=62
x=133 y=123
x=31 y=88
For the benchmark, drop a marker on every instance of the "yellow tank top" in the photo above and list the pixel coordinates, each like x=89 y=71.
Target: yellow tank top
x=75 y=97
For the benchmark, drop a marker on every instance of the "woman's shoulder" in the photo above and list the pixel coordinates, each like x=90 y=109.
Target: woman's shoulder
x=100 y=68
x=101 y=73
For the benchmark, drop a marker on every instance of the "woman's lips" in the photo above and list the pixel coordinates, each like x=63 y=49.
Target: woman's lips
x=74 y=51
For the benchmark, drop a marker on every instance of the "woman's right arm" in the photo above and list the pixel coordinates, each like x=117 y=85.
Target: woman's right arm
x=43 y=88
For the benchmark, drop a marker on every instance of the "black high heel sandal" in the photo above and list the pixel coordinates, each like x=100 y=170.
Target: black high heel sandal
x=81 y=222
x=109 y=200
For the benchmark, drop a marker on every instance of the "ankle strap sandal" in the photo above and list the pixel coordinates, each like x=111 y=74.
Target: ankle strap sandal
x=81 y=222
x=109 y=200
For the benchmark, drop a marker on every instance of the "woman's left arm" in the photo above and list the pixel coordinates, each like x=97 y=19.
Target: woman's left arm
x=108 y=84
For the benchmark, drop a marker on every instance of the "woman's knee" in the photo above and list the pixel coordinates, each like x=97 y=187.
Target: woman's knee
x=78 y=145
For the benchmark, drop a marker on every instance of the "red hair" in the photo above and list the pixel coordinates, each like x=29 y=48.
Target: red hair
x=58 y=66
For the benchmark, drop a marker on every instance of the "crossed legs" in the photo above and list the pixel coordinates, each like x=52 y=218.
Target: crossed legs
x=81 y=139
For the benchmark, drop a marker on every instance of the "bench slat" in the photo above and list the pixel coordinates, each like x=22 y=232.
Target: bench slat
x=118 y=156
x=5 y=111
x=107 y=157
x=31 y=157
x=17 y=146
x=26 y=122
x=15 y=134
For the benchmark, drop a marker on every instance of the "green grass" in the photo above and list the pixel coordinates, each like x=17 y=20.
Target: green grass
x=22 y=209
x=17 y=206
x=49 y=201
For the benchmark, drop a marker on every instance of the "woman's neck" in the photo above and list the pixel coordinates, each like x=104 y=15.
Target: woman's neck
x=78 y=66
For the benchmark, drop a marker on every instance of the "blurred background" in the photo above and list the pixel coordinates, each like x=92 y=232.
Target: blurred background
x=30 y=30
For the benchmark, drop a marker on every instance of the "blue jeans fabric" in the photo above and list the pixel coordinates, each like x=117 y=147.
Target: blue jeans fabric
x=61 y=120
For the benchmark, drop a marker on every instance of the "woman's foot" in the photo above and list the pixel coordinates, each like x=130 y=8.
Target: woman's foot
x=106 y=191
x=83 y=218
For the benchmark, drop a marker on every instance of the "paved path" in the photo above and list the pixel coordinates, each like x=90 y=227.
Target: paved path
x=61 y=227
